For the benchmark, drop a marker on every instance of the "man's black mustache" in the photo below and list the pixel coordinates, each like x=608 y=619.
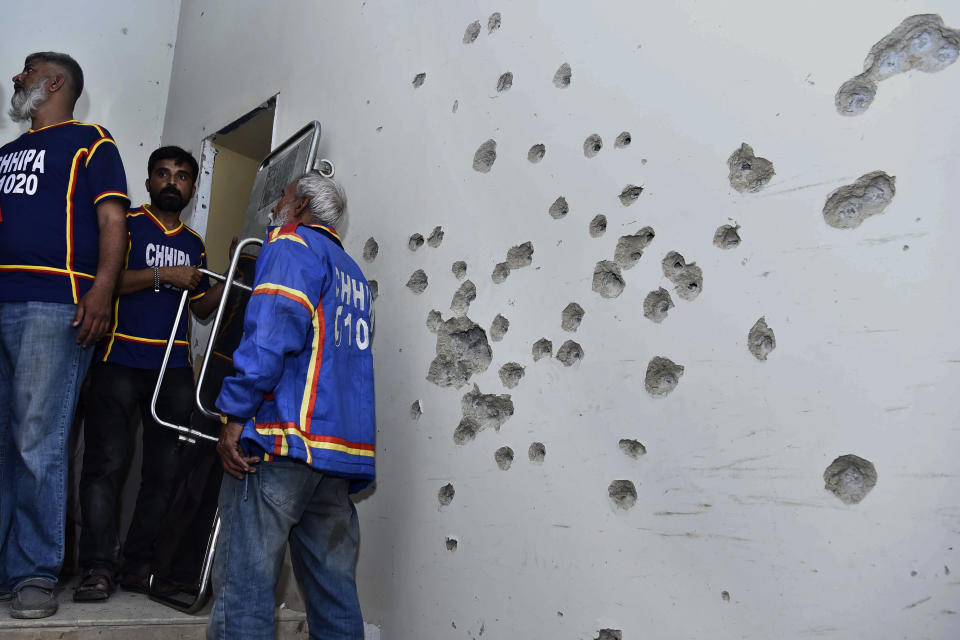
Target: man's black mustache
x=170 y=191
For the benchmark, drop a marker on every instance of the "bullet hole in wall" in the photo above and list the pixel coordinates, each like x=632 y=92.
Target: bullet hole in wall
x=559 y=208
x=598 y=226
x=462 y=351
x=536 y=153
x=370 y=250
x=570 y=353
x=493 y=22
x=485 y=156
x=592 y=145
x=662 y=376
x=623 y=140
x=445 y=495
x=499 y=328
x=473 y=30
x=563 y=76
x=850 y=478
x=483 y=411
x=748 y=173
x=630 y=248
x=456 y=106
x=537 y=452
x=760 y=340
x=436 y=237
x=542 y=348
x=415 y=242
x=511 y=374
x=571 y=316
x=686 y=278
x=505 y=82
x=465 y=431
x=465 y=294
x=452 y=544
x=633 y=448
x=418 y=80
x=656 y=305
x=459 y=269
x=629 y=194
x=416 y=410
x=610 y=634
x=418 y=281
x=520 y=255
x=623 y=493
x=726 y=237
x=374 y=288
x=500 y=272
x=725 y=596
x=503 y=457
x=607 y=279
x=848 y=206
x=434 y=320
x=673 y=264
x=919 y=42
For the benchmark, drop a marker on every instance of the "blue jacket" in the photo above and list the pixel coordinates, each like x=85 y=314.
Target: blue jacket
x=303 y=386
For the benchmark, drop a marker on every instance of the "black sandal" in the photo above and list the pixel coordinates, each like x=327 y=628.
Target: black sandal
x=96 y=586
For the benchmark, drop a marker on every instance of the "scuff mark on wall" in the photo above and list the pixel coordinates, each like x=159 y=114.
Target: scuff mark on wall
x=542 y=348
x=485 y=156
x=850 y=478
x=570 y=353
x=662 y=376
x=498 y=328
x=418 y=281
x=656 y=305
x=536 y=153
x=592 y=145
x=462 y=351
x=607 y=279
x=370 y=250
x=537 y=452
x=511 y=374
x=760 y=340
x=503 y=457
x=848 y=206
x=571 y=317
x=748 y=173
x=623 y=494
x=630 y=248
x=598 y=226
x=563 y=76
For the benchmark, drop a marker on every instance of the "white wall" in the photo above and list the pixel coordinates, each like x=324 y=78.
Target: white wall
x=126 y=51
x=731 y=496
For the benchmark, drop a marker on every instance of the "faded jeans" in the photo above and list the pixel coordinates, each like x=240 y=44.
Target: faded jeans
x=285 y=499
x=41 y=368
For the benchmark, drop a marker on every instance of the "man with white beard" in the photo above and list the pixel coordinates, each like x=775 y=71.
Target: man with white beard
x=62 y=239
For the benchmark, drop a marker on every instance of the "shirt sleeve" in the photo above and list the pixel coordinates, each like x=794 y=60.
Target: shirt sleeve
x=204 y=285
x=277 y=325
x=105 y=171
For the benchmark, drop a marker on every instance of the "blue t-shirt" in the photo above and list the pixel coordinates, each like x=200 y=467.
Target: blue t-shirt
x=142 y=320
x=51 y=180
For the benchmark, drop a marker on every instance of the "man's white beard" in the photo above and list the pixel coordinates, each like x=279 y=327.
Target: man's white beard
x=24 y=101
x=280 y=219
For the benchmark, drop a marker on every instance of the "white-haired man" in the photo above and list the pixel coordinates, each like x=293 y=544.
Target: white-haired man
x=301 y=408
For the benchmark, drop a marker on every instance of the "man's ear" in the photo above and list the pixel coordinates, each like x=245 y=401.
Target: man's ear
x=56 y=84
x=146 y=184
x=301 y=209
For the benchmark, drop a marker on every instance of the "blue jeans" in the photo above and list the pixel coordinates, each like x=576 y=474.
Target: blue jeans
x=285 y=499
x=41 y=369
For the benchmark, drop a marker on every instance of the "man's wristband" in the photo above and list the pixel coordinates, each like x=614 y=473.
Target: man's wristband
x=225 y=418
x=156 y=279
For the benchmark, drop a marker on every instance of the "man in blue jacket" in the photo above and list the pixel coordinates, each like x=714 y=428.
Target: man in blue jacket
x=300 y=407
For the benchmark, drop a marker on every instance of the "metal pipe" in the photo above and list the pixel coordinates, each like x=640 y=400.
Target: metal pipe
x=203 y=585
x=223 y=278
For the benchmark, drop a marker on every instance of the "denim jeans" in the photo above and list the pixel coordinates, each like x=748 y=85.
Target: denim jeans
x=41 y=368
x=285 y=499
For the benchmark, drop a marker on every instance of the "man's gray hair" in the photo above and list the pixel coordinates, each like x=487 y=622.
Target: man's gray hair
x=328 y=202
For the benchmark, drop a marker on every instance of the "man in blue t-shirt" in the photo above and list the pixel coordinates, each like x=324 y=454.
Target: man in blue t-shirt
x=162 y=259
x=62 y=235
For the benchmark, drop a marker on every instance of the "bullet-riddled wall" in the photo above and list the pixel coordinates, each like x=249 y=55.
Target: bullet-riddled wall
x=665 y=336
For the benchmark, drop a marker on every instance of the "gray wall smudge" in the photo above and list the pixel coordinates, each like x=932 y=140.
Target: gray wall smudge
x=415 y=242
x=630 y=248
x=459 y=269
x=633 y=448
x=418 y=281
x=503 y=457
x=662 y=377
x=542 y=348
x=536 y=153
x=623 y=493
x=850 y=205
x=563 y=76
x=473 y=30
x=592 y=145
x=726 y=237
x=598 y=226
x=462 y=350
x=850 y=478
x=570 y=353
x=607 y=279
x=511 y=374
x=760 y=340
x=559 y=208
x=465 y=294
x=485 y=156
x=537 y=452
x=571 y=317
x=499 y=328
x=656 y=305
x=445 y=494
x=748 y=173
x=370 y=250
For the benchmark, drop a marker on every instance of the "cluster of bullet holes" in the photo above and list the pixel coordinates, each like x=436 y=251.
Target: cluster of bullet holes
x=559 y=208
x=418 y=281
x=687 y=278
x=505 y=82
x=850 y=478
x=536 y=153
x=419 y=79
x=662 y=376
x=370 y=250
x=571 y=317
x=570 y=353
x=485 y=156
x=415 y=242
x=848 y=206
x=473 y=29
x=563 y=76
x=760 y=340
x=434 y=320
x=629 y=194
x=630 y=248
x=416 y=410
x=464 y=295
x=592 y=145
x=498 y=328
x=920 y=42
x=511 y=374
x=598 y=226
x=623 y=494
x=537 y=452
x=452 y=544
x=656 y=305
x=436 y=237
x=609 y=634
x=445 y=495
x=607 y=279
x=481 y=411
x=503 y=457
x=623 y=140
x=542 y=348
x=748 y=173
x=517 y=257
x=462 y=351
x=633 y=448
x=727 y=237
x=459 y=269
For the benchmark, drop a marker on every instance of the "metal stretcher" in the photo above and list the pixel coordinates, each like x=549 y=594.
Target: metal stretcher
x=294 y=157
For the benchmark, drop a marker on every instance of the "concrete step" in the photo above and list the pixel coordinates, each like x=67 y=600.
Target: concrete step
x=127 y=615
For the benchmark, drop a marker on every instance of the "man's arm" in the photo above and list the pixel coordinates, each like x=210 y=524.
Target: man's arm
x=182 y=277
x=204 y=306
x=93 y=309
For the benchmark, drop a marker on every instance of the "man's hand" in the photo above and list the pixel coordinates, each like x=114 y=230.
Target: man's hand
x=228 y=446
x=233 y=247
x=93 y=315
x=182 y=277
